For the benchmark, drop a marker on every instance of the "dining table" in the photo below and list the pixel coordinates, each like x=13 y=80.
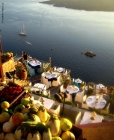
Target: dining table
x=88 y=118
x=38 y=87
x=42 y=101
x=47 y=103
x=79 y=81
x=96 y=102
x=51 y=76
x=34 y=63
x=72 y=89
x=59 y=69
x=100 y=86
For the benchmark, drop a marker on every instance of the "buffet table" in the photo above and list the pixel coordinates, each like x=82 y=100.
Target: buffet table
x=47 y=103
x=87 y=118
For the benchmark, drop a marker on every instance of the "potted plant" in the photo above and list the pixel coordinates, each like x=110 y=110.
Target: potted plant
x=21 y=72
x=6 y=56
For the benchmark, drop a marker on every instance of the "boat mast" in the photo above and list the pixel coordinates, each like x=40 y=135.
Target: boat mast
x=2 y=12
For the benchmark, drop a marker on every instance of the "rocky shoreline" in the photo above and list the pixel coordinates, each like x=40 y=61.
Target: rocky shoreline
x=88 y=5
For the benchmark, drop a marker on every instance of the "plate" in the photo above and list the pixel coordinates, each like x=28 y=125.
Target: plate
x=60 y=69
x=102 y=103
x=89 y=99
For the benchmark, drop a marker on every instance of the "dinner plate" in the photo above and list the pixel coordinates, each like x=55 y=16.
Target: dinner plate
x=54 y=75
x=60 y=69
x=89 y=99
x=102 y=103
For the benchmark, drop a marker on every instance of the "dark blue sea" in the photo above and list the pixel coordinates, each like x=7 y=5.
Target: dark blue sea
x=62 y=34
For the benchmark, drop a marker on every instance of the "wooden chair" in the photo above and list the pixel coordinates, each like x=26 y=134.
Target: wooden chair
x=79 y=97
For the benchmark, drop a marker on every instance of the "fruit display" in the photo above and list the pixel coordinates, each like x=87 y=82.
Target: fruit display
x=28 y=122
x=9 y=93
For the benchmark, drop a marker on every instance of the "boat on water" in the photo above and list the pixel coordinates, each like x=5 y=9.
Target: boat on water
x=22 y=32
x=28 y=43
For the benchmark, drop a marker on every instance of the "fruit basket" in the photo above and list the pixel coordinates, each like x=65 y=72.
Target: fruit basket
x=11 y=93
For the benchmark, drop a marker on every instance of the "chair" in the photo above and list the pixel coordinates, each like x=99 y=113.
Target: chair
x=46 y=93
x=78 y=118
x=55 y=109
x=8 y=75
x=68 y=97
x=84 y=105
x=62 y=89
x=54 y=68
x=30 y=70
x=66 y=72
x=42 y=77
x=79 y=97
x=46 y=82
x=55 y=83
x=107 y=108
x=59 y=80
x=39 y=70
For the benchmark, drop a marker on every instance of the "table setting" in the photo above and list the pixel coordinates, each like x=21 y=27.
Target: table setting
x=100 y=86
x=96 y=102
x=59 y=69
x=34 y=63
x=72 y=89
x=51 y=76
x=79 y=81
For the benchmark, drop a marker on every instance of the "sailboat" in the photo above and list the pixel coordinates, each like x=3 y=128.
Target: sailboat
x=22 y=32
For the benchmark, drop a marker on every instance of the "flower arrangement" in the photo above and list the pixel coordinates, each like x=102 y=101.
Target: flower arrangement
x=6 y=56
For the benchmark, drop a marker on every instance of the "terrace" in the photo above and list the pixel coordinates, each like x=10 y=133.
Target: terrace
x=78 y=105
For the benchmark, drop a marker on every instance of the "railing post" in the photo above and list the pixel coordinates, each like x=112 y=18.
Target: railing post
x=50 y=61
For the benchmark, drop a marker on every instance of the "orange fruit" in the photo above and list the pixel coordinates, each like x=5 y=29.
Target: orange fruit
x=17 y=118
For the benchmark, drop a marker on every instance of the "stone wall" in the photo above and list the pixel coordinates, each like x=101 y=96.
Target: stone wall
x=8 y=66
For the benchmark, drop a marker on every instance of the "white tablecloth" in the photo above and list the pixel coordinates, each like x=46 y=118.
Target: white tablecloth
x=38 y=87
x=34 y=63
x=78 y=81
x=47 y=102
x=87 y=118
x=50 y=76
x=72 y=89
x=100 y=86
x=60 y=69
x=93 y=102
